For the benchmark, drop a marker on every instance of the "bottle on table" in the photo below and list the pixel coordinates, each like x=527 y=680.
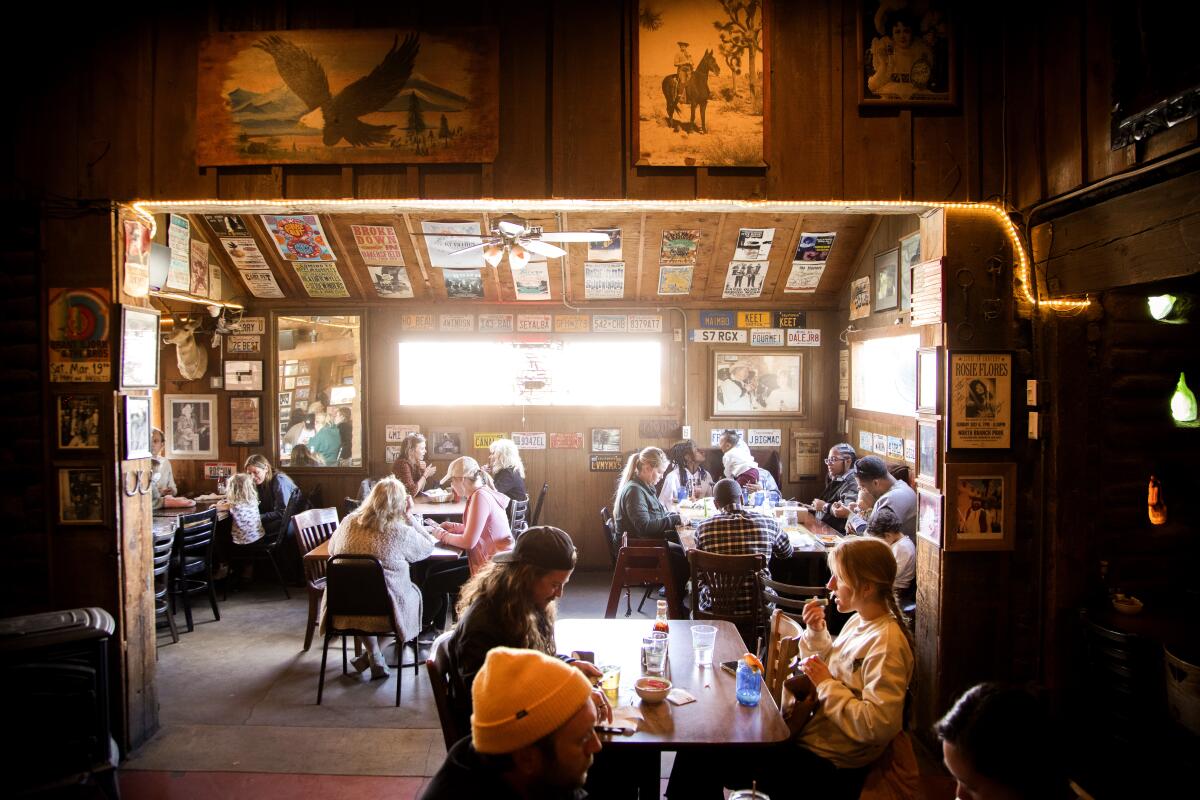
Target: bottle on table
x=660 y=618
x=749 y=683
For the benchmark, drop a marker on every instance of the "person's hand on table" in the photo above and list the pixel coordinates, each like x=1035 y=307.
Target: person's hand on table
x=818 y=504
x=814 y=615
x=840 y=511
x=815 y=669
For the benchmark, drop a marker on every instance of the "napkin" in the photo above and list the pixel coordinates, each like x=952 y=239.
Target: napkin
x=626 y=717
x=680 y=697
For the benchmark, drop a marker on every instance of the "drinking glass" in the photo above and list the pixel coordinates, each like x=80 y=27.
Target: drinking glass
x=703 y=639
x=681 y=494
x=610 y=680
x=655 y=654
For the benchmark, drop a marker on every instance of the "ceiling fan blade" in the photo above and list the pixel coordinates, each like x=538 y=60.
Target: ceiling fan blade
x=473 y=248
x=574 y=236
x=542 y=248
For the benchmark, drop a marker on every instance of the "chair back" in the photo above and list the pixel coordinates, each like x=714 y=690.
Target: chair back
x=518 y=516
x=728 y=588
x=164 y=541
x=439 y=669
x=643 y=565
x=355 y=587
x=537 y=511
x=194 y=537
x=313 y=527
x=782 y=647
x=610 y=534
x=788 y=597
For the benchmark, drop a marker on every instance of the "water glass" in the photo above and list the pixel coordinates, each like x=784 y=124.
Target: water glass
x=654 y=654
x=610 y=679
x=703 y=639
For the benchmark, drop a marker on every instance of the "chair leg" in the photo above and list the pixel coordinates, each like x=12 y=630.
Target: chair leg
x=174 y=628
x=324 y=655
x=345 y=669
x=646 y=597
x=212 y=595
x=187 y=603
x=614 y=591
x=313 y=602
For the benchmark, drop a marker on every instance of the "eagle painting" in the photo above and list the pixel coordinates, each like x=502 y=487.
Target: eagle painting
x=337 y=116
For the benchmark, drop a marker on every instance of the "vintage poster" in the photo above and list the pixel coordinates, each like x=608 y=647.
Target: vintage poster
x=242 y=344
x=216 y=282
x=645 y=323
x=532 y=282
x=445 y=242
x=714 y=435
x=753 y=244
x=678 y=248
x=79 y=421
x=456 y=323
x=744 y=279
x=446 y=442
x=396 y=433
x=860 y=297
x=179 y=270
x=807 y=459
x=298 y=237
x=245 y=420
x=226 y=224
x=321 y=279
x=78 y=324
x=879 y=444
x=674 y=280
x=378 y=245
x=815 y=246
x=980 y=400
x=980 y=506
x=610 y=323
x=244 y=253
x=137 y=258
x=391 y=282
x=604 y=281
x=764 y=437
x=566 y=441
x=534 y=323
x=606 y=440
x=495 y=323
x=752 y=384
x=199 y=268
x=843 y=374
x=418 y=322
x=572 y=323
x=606 y=251
x=364 y=95
x=463 y=284
x=906 y=54
x=529 y=441
x=80 y=496
x=804 y=276
x=190 y=425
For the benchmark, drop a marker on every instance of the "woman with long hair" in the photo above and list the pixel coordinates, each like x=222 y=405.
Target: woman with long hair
x=274 y=489
x=484 y=530
x=379 y=527
x=686 y=472
x=301 y=456
x=508 y=473
x=409 y=467
x=638 y=512
x=241 y=501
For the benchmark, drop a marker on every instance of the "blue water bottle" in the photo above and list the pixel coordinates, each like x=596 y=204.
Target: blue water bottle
x=749 y=684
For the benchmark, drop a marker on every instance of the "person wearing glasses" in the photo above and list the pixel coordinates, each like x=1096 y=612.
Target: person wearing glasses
x=842 y=487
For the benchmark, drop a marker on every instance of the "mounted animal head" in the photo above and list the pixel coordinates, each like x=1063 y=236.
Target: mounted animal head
x=193 y=359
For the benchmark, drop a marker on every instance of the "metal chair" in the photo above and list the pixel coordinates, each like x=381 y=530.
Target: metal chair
x=537 y=511
x=437 y=666
x=355 y=587
x=518 y=516
x=191 y=561
x=313 y=527
x=728 y=588
x=643 y=562
x=164 y=542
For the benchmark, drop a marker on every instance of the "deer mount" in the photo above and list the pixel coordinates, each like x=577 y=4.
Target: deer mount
x=192 y=358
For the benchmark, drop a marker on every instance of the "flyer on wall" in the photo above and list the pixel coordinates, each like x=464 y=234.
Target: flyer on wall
x=980 y=400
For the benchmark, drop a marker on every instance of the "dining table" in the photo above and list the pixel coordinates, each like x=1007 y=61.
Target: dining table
x=714 y=718
x=453 y=510
x=441 y=552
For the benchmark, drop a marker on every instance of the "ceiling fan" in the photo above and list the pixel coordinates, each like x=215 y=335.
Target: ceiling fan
x=515 y=237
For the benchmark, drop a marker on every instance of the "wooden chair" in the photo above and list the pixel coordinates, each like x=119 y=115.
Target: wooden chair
x=782 y=647
x=191 y=561
x=614 y=548
x=537 y=511
x=355 y=587
x=313 y=527
x=518 y=517
x=788 y=597
x=726 y=582
x=643 y=562
x=164 y=542
x=437 y=666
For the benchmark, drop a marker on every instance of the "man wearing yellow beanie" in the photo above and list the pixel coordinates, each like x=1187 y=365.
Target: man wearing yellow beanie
x=532 y=732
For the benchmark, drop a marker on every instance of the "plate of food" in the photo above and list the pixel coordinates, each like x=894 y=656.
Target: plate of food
x=828 y=539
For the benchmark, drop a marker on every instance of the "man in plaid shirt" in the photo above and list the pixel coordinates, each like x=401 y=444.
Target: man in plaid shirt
x=738 y=532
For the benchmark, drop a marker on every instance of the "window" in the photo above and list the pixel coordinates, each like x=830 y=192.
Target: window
x=558 y=372
x=884 y=374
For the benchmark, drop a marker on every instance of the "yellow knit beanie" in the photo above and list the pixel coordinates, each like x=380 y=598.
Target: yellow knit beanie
x=519 y=696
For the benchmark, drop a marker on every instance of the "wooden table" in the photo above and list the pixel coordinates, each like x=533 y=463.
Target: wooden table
x=440 y=551
x=440 y=511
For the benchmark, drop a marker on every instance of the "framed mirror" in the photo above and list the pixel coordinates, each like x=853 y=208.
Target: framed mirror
x=321 y=421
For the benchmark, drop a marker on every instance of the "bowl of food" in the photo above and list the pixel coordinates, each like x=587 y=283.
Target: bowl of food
x=1126 y=604
x=652 y=690
x=439 y=496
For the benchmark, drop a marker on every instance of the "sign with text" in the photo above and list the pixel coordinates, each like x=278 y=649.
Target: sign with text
x=715 y=435
x=718 y=319
x=529 y=441
x=457 y=323
x=396 y=433
x=483 y=441
x=754 y=319
x=645 y=323
x=790 y=319
x=718 y=336
x=417 y=322
x=495 y=323
x=765 y=437
x=610 y=323
x=566 y=441
x=980 y=400
x=766 y=337
x=605 y=463
x=249 y=325
x=215 y=470
x=804 y=337
x=533 y=323
x=572 y=323
x=242 y=344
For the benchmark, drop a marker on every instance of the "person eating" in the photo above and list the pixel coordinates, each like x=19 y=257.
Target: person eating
x=873 y=477
x=842 y=487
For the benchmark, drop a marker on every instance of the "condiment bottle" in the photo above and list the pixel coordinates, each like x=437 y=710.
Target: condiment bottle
x=660 y=617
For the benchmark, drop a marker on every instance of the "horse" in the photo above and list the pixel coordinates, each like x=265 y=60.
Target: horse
x=696 y=92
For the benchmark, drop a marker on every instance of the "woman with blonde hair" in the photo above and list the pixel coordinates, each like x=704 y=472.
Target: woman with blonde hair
x=379 y=527
x=508 y=473
x=638 y=512
x=241 y=501
x=409 y=467
x=484 y=530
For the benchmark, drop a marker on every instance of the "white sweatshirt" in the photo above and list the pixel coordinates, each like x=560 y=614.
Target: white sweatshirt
x=862 y=705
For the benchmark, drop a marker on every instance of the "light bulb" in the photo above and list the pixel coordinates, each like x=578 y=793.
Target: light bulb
x=493 y=254
x=518 y=257
x=1161 y=305
x=1183 y=402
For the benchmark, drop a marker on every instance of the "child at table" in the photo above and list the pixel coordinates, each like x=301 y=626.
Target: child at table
x=241 y=502
x=885 y=525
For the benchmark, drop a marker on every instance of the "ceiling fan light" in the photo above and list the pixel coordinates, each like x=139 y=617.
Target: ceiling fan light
x=518 y=257
x=493 y=254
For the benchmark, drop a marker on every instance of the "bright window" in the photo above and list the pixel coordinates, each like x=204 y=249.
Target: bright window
x=884 y=373
x=559 y=372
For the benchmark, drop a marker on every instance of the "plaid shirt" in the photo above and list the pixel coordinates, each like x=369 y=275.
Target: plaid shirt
x=737 y=533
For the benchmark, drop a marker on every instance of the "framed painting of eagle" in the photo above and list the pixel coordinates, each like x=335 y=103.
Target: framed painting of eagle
x=348 y=96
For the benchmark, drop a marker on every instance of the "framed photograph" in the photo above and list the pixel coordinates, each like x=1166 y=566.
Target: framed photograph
x=906 y=53
x=302 y=395
x=980 y=506
x=243 y=376
x=910 y=256
x=807 y=458
x=285 y=399
x=136 y=433
x=79 y=422
x=139 y=348
x=887 y=289
x=860 y=297
x=289 y=368
x=929 y=451
x=929 y=515
x=80 y=496
x=446 y=442
x=754 y=384
x=190 y=423
x=302 y=380
x=606 y=440
x=929 y=381
x=390 y=453
x=979 y=416
x=246 y=420
x=303 y=369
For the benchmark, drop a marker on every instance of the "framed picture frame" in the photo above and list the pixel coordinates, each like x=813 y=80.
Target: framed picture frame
x=447 y=442
x=806 y=458
x=979 y=399
x=906 y=59
x=929 y=452
x=285 y=399
x=81 y=496
x=753 y=383
x=190 y=425
x=929 y=381
x=910 y=256
x=289 y=383
x=243 y=376
x=139 y=348
x=246 y=420
x=606 y=440
x=981 y=504
x=136 y=427
x=78 y=422
x=930 y=513
x=887 y=285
